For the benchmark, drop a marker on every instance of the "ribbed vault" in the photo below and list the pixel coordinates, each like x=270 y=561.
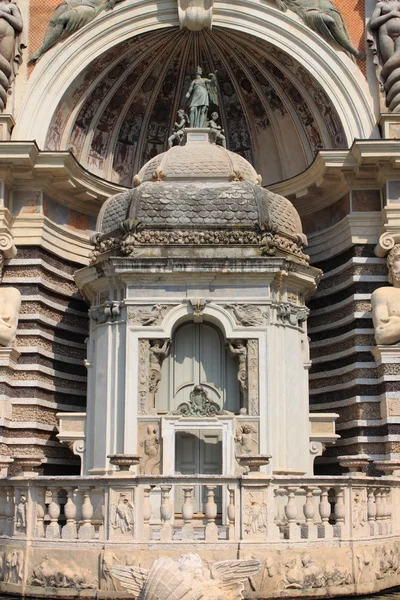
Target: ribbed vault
x=121 y=109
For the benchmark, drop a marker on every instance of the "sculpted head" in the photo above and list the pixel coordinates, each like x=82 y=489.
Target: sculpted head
x=393 y=265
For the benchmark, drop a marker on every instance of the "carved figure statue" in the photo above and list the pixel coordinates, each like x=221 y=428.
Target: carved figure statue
x=199 y=404
x=156 y=356
x=151 y=448
x=385 y=27
x=10 y=303
x=216 y=131
x=199 y=92
x=20 y=514
x=386 y=303
x=246 y=439
x=322 y=16
x=68 y=17
x=11 y=46
x=224 y=580
x=122 y=516
x=179 y=128
x=239 y=350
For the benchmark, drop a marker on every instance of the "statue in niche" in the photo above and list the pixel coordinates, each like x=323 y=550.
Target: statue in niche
x=246 y=439
x=385 y=28
x=20 y=514
x=238 y=350
x=68 y=17
x=323 y=16
x=200 y=92
x=199 y=405
x=157 y=352
x=386 y=303
x=10 y=303
x=216 y=131
x=151 y=449
x=122 y=514
x=11 y=46
x=179 y=128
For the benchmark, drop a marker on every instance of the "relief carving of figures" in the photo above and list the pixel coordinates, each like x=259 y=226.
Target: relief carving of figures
x=303 y=573
x=386 y=302
x=223 y=580
x=201 y=92
x=11 y=46
x=13 y=567
x=199 y=405
x=157 y=353
x=69 y=17
x=359 y=510
x=323 y=17
x=385 y=29
x=238 y=350
x=122 y=516
x=246 y=439
x=10 y=303
x=149 y=315
x=54 y=573
x=248 y=315
x=143 y=378
x=150 y=462
x=255 y=514
x=20 y=514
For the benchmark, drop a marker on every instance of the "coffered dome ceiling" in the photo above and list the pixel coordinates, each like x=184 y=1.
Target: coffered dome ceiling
x=121 y=109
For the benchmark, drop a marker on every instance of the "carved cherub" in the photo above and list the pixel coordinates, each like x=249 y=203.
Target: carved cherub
x=151 y=447
x=179 y=128
x=246 y=438
x=122 y=514
x=225 y=579
x=216 y=131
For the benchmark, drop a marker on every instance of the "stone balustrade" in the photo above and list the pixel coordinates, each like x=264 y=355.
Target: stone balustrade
x=142 y=508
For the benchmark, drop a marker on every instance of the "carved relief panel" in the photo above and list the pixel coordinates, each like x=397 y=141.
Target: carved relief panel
x=149 y=446
x=121 y=515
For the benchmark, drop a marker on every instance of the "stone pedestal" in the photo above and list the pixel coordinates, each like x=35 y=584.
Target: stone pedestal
x=388 y=361
x=6 y=126
x=389 y=124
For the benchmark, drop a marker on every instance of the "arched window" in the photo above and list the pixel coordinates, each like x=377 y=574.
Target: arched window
x=198 y=357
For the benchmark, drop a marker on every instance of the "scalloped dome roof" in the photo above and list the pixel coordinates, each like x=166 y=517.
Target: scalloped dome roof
x=203 y=161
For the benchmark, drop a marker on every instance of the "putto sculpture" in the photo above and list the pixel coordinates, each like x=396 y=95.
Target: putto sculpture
x=179 y=128
x=187 y=579
x=385 y=28
x=216 y=131
x=325 y=18
x=201 y=91
x=11 y=46
x=386 y=303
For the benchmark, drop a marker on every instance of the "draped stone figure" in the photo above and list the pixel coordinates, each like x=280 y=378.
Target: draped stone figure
x=385 y=28
x=325 y=18
x=386 y=303
x=200 y=92
x=11 y=46
x=68 y=17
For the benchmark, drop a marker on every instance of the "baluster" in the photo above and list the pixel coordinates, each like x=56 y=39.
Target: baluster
x=293 y=531
x=53 y=511
x=86 y=530
x=371 y=511
x=325 y=530
x=187 y=513
x=379 y=511
x=211 y=513
x=147 y=533
x=231 y=513
x=102 y=529
x=389 y=510
x=385 y=510
x=339 y=511
x=40 y=509
x=166 y=514
x=3 y=517
x=69 y=531
x=309 y=530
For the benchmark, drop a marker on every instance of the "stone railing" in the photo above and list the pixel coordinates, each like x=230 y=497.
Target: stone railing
x=162 y=509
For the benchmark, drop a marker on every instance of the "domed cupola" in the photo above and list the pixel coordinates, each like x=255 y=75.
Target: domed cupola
x=199 y=194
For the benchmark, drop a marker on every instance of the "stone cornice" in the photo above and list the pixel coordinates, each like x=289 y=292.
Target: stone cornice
x=24 y=166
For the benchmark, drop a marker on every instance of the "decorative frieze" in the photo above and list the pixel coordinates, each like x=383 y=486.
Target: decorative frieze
x=148 y=315
x=249 y=315
x=253 y=401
